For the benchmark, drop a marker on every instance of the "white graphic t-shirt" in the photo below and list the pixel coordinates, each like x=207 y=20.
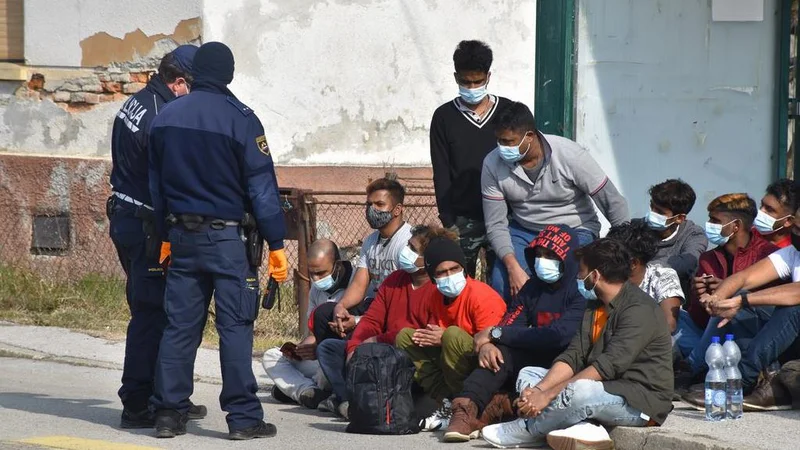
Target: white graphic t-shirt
x=379 y=256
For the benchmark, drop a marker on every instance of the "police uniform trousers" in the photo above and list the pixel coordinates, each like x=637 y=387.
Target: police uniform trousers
x=144 y=291
x=208 y=261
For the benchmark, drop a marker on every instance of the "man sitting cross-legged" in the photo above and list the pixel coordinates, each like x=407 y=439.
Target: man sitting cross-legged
x=617 y=370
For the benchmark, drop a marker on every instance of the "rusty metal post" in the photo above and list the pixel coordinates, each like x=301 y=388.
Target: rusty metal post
x=301 y=282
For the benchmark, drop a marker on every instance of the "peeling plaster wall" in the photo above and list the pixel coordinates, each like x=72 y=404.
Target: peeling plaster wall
x=54 y=30
x=356 y=81
x=664 y=92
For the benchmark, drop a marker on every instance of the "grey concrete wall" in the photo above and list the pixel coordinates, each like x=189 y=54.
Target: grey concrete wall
x=663 y=91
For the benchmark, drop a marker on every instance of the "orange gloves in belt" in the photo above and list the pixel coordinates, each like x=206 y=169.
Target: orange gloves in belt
x=166 y=251
x=278 y=265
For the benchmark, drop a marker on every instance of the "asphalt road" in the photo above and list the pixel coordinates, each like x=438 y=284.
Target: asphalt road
x=63 y=406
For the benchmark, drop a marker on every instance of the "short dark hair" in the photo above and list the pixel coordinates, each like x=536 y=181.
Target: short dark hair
x=740 y=206
x=673 y=194
x=607 y=256
x=785 y=190
x=396 y=190
x=426 y=233
x=472 y=56
x=640 y=240
x=516 y=117
x=169 y=70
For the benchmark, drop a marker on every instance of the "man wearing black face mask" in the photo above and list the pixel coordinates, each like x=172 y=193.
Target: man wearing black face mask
x=379 y=252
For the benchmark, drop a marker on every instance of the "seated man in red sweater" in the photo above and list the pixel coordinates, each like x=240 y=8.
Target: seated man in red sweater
x=390 y=312
x=737 y=247
x=460 y=307
x=539 y=324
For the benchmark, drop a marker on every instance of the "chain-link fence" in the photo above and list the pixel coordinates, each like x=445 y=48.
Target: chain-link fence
x=61 y=268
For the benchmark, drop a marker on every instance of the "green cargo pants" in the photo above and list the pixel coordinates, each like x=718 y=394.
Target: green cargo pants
x=441 y=371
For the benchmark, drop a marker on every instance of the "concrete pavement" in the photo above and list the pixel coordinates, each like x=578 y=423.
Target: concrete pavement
x=58 y=389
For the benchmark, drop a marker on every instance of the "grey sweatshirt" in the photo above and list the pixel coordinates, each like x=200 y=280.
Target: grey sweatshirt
x=682 y=252
x=561 y=194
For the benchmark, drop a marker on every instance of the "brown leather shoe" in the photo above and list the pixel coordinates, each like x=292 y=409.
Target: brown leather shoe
x=464 y=423
x=696 y=398
x=498 y=410
x=789 y=376
x=769 y=395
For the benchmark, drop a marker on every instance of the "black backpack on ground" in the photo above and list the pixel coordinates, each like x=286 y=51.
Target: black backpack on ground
x=379 y=379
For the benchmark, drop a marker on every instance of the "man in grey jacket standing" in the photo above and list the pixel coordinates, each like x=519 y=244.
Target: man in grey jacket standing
x=543 y=179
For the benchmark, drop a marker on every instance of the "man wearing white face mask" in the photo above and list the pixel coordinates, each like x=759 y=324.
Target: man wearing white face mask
x=460 y=307
x=462 y=134
x=294 y=368
x=544 y=179
x=776 y=216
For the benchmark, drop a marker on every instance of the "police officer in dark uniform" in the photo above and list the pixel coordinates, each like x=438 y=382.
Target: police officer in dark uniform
x=209 y=165
x=131 y=215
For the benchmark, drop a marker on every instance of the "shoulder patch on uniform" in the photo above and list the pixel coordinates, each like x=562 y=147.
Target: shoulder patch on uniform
x=261 y=143
x=244 y=109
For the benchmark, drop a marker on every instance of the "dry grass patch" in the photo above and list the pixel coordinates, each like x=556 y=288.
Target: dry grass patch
x=96 y=304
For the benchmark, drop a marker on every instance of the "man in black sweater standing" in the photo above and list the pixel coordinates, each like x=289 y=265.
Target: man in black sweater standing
x=462 y=134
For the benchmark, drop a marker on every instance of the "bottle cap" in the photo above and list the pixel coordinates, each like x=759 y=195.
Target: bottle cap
x=715 y=339
x=728 y=337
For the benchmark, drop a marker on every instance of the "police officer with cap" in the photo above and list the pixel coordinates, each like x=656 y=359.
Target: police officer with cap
x=209 y=165
x=130 y=213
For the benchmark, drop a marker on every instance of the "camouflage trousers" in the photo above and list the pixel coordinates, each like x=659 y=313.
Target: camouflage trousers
x=472 y=238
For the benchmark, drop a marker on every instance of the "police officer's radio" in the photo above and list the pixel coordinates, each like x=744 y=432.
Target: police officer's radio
x=270 y=294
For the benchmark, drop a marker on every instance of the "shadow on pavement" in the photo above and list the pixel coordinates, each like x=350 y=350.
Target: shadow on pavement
x=89 y=410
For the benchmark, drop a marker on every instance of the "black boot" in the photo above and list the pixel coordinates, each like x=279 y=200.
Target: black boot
x=196 y=411
x=137 y=419
x=262 y=430
x=170 y=423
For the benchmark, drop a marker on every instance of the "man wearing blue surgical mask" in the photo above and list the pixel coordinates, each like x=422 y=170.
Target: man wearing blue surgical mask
x=537 y=326
x=681 y=240
x=776 y=214
x=462 y=134
x=537 y=180
x=442 y=348
x=294 y=368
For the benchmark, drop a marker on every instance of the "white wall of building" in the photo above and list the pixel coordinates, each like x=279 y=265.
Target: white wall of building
x=356 y=81
x=663 y=92
x=54 y=29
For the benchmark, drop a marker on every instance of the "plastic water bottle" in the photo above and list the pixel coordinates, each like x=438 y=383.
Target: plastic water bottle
x=733 y=377
x=715 y=386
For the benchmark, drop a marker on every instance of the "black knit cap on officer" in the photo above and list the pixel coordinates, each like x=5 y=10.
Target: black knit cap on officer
x=214 y=63
x=442 y=249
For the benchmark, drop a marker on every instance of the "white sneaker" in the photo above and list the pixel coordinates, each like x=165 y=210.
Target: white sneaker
x=583 y=436
x=512 y=435
x=439 y=420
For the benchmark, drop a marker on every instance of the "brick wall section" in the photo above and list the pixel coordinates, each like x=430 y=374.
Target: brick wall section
x=79 y=94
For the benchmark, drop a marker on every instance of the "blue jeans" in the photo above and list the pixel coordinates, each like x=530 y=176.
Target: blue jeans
x=744 y=327
x=332 y=359
x=690 y=334
x=579 y=401
x=521 y=238
x=761 y=336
